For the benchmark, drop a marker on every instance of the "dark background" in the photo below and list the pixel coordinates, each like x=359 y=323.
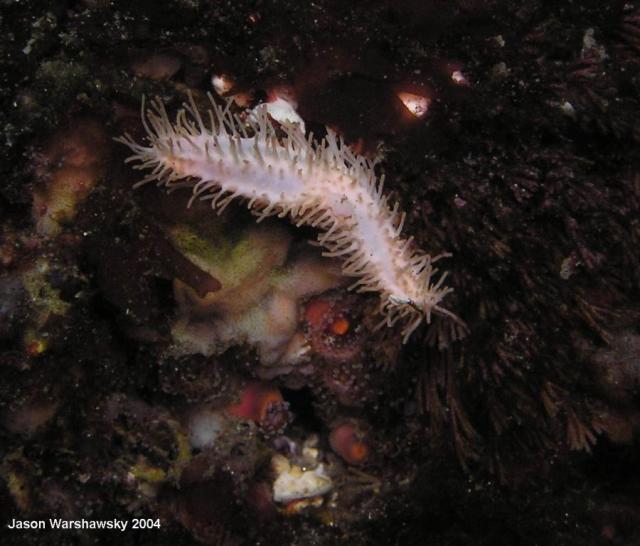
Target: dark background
x=522 y=432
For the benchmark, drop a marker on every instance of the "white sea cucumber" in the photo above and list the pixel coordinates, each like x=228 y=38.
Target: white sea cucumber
x=282 y=172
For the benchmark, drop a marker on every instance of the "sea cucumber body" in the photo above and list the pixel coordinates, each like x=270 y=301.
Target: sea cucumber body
x=323 y=185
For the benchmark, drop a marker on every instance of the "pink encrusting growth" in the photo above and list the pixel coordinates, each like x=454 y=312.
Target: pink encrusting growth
x=280 y=171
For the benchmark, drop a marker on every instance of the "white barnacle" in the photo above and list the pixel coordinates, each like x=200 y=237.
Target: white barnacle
x=281 y=171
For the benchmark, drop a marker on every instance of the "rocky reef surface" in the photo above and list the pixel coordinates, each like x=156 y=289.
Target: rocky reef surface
x=215 y=377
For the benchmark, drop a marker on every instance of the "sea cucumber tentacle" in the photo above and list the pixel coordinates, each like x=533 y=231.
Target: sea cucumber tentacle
x=281 y=171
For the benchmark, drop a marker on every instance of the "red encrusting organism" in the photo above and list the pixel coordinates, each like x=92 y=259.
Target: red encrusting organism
x=263 y=404
x=349 y=440
x=332 y=326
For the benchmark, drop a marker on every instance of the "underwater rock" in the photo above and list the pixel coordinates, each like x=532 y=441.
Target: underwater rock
x=208 y=506
x=243 y=266
x=524 y=165
x=70 y=165
x=12 y=299
x=262 y=287
x=193 y=378
x=27 y=418
x=53 y=286
x=156 y=66
x=157 y=447
x=617 y=367
x=295 y=482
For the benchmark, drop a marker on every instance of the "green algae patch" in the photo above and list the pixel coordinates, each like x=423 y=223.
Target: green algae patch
x=246 y=265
